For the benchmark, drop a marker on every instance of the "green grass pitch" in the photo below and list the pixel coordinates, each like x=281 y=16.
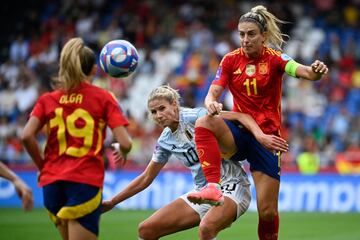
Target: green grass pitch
x=122 y=225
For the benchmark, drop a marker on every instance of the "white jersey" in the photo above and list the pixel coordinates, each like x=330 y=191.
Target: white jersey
x=181 y=144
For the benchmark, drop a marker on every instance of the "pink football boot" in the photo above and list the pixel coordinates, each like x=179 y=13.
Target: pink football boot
x=210 y=194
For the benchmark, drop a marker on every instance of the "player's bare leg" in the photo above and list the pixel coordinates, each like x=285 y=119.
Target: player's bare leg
x=217 y=219
x=174 y=217
x=78 y=232
x=267 y=193
x=62 y=227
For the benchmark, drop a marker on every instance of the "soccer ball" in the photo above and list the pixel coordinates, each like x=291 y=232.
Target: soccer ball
x=119 y=58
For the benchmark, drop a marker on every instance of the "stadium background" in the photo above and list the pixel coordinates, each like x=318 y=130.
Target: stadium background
x=181 y=43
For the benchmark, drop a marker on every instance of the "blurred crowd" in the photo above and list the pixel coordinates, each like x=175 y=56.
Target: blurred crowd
x=181 y=43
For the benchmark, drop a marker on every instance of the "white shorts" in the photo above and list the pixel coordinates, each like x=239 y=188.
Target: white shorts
x=234 y=185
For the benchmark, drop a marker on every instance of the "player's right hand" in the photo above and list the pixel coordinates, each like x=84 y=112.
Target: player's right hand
x=214 y=108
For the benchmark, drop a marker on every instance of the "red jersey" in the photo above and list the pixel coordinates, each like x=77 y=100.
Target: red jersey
x=255 y=85
x=76 y=124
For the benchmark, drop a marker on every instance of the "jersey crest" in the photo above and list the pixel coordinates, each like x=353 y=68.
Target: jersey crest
x=250 y=70
x=263 y=68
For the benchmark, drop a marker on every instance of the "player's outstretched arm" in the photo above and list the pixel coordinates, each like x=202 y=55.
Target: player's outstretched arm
x=137 y=185
x=313 y=72
x=271 y=142
x=22 y=189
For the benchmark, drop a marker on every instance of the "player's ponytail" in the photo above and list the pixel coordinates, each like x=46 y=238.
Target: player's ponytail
x=268 y=23
x=76 y=62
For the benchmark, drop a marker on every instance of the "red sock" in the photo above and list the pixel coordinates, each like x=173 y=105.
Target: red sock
x=209 y=154
x=268 y=230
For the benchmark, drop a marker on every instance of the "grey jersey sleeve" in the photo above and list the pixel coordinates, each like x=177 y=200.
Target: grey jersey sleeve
x=202 y=112
x=160 y=154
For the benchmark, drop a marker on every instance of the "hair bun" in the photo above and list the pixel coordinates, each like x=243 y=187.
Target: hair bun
x=259 y=8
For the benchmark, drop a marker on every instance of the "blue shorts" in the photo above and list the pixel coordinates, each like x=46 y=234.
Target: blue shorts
x=259 y=158
x=70 y=200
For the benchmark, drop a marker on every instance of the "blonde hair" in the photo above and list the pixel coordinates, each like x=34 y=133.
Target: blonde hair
x=166 y=92
x=268 y=23
x=76 y=62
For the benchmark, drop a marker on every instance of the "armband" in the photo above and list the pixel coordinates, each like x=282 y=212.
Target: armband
x=291 y=67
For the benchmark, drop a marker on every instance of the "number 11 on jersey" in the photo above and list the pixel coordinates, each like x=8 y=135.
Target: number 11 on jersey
x=248 y=83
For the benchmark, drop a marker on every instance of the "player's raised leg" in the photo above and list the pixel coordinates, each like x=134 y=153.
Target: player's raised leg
x=212 y=137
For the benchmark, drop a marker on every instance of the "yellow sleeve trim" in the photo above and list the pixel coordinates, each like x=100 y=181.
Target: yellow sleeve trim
x=291 y=67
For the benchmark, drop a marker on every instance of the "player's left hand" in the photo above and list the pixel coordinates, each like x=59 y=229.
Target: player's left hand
x=319 y=67
x=273 y=143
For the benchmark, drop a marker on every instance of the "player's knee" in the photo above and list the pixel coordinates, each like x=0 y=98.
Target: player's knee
x=146 y=231
x=208 y=122
x=207 y=230
x=268 y=213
